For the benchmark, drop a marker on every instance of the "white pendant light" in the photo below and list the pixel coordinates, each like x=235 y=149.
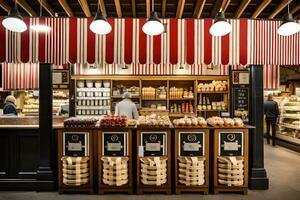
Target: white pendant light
x=40 y=27
x=100 y=25
x=14 y=21
x=220 y=27
x=288 y=26
x=153 y=26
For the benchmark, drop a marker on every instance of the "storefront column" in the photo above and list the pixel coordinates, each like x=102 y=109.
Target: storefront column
x=258 y=176
x=45 y=178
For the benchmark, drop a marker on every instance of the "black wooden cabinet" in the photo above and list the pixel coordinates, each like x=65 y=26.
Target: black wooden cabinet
x=19 y=158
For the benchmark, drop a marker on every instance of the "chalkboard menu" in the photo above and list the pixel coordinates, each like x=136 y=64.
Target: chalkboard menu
x=231 y=143
x=191 y=144
x=154 y=143
x=241 y=103
x=75 y=144
x=114 y=143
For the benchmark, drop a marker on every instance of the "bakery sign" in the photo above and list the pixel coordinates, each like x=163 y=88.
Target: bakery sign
x=191 y=143
x=154 y=143
x=114 y=143
x=76 y=144
x=231 y=143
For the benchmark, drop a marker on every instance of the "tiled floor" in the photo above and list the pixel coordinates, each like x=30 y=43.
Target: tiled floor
x=283 y=168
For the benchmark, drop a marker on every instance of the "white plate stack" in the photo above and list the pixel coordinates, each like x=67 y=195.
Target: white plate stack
x=154 y=170
x=115 y=170
x=231 y=171
x=75 y=170
x=191 y=171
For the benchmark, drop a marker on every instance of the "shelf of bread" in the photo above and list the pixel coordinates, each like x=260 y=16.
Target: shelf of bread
x=213 y=87
x=151 y=93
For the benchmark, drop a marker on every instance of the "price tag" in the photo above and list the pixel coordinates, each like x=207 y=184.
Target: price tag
x=191 y=147
x=114 y=146
x=74 y=146
x=231 y=146
x=153 y=146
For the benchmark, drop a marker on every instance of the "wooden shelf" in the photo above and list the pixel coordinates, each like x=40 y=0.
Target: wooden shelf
x=214 y=92
x=177 y=114
x=120 y=97
x=146 y=99
x=181 y=99
x=211 y=110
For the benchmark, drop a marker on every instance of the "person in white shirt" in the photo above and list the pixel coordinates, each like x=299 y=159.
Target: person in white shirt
x=127 y=107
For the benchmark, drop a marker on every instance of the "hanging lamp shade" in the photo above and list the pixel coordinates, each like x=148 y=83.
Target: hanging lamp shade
x=220 y=27
x=14 y=21
x=153 y=26
x=100 y=24
x=288 y=26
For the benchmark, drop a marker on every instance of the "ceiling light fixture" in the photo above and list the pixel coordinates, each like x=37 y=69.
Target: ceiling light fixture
x=220 y=27
x=100 y=25
x=14 y=21
x=40 y=27
x=288 y=26
x=153 y=26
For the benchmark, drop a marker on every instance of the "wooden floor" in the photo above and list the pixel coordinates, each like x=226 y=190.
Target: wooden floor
x=283 y=167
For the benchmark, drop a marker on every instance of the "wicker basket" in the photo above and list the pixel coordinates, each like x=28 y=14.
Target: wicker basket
x=75 y=170
x=191 y=171
x=115 y=171
x=231 y=171
x=154 y=170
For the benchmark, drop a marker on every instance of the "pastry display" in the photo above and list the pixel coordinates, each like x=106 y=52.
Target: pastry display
x=153 y=120
x=75 y=170
x=120 y=89
x=231 y=171
x=217 y=86
x=178 y=93
x=190 y=121
x=154 y=93
x=184 y=107
x=191 y=171
x=77 y=122
x=153 y=170
x=114 y=120
x=229 y=122
x=115 y=171
x=205 y=103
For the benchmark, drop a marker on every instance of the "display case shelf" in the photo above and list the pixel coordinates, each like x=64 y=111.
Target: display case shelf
x=93 y=89
x=92 y=98
x=182 y=99
x=214 y=92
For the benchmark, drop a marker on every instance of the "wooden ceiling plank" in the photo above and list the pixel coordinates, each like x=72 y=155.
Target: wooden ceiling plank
x=85 y=7
x=163 y=8
x=27 y=8
x=241 y=8
x=260 y=8
x=148 y=8
x=216 y=8
x=133 y=7
x=279 y=8
x=225 y=5
x=118 y=8
x=64 y=4
x=47 y=7
x=180 y=7
x=4 y=6
x=295 y=9
x=102 y=6
x=199 y=8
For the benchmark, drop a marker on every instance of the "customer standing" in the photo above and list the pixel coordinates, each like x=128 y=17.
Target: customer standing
x=10 y=106
x=271 y=111
x=127 y=107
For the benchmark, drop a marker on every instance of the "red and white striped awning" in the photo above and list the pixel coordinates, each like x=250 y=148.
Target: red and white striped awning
x=271 y=76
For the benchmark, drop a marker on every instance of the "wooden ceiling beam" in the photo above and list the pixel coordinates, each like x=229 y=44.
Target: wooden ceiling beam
x=4 y=6
x=260 y=8
x=241 y=8
x=27 y=8
x=279 y=8
x=163 y=8
x=199 y=8
x=64 y=4
x=118 y=8
x=47 y=7
x=295 y=9
x=216 y=8
x=85 y=7
x=133 y=7
x=225 y=5
x=102 y=6
x=148 y=8
x=180 y=7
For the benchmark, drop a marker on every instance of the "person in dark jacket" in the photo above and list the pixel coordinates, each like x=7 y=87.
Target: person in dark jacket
x=10 y=106
x=271 y=111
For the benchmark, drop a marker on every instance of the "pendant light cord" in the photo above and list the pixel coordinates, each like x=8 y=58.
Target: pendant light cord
x=152 y=5
x=41 y=8
x=288 y=8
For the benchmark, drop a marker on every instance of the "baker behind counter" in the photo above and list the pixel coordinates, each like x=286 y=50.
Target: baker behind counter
x=10 y=106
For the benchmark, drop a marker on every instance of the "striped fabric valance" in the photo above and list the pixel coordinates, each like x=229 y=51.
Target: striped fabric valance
x=271 y=76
